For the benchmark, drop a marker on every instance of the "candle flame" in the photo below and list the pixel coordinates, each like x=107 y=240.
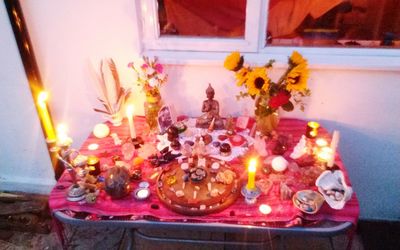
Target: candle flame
x=313 y=125
x=42 y=98
x=129 y=110
x=253 y=165
x=321 y=142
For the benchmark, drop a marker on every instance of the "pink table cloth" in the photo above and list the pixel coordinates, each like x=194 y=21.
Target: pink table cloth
x=283 y=211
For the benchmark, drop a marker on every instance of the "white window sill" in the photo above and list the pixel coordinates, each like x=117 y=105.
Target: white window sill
x=318 y=58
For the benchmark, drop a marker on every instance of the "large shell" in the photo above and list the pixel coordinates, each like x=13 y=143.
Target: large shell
x=333 y=187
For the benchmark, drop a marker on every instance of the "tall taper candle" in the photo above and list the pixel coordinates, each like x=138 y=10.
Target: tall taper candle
x=44 y=114
x=252 y=174
x=334 y=145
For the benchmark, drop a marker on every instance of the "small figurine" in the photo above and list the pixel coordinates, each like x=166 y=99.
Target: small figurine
x=210 y=111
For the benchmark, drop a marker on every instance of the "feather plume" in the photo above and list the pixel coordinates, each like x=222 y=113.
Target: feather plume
x=113 y=95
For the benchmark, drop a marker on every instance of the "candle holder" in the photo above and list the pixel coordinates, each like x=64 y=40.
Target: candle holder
x=142 y=192
x=312 y=130
x=250 y=195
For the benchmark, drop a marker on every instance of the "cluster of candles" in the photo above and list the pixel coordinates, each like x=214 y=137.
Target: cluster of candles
x=324 y=153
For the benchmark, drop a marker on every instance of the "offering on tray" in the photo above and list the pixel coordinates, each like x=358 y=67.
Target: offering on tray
x=308 y=201
x=333 y=187
x=198 y=190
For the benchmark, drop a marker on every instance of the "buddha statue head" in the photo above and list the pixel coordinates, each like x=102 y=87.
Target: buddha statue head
x=210 y=92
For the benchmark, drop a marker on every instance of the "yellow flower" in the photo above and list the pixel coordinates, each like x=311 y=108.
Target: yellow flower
x=241 y=76
x=296 y=58
x=234 y=61
x=297 y=78
x=257 y=81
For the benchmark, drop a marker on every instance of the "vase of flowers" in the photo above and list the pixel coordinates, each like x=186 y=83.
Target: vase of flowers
x=270 y=96
x=150 y=77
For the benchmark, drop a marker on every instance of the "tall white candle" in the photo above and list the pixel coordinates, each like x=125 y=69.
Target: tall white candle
x=129 y=115
x=334 y=145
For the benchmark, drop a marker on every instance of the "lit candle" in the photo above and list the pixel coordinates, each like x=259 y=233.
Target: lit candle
x=44 y=114
x=62 y=138
x=312 y=130
x=321 y=142
x=265 y=209
x=129 y=114
x=252 y=174
x=93 y=146
x=334 y=144
x=325 y=154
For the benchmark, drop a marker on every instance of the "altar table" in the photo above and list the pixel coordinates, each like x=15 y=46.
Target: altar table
x=284 y=219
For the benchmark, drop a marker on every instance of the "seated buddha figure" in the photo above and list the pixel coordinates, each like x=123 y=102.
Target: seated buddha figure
x=210 y=111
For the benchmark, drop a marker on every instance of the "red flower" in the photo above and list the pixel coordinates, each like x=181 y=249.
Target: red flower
x=280 y=99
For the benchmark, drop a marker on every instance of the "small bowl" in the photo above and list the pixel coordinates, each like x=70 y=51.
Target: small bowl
x=308 y=201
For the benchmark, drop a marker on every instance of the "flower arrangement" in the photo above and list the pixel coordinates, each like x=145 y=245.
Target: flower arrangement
x=150 y=76
x=269 y=95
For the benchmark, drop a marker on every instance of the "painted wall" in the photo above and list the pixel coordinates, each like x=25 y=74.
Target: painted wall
x=24 y=162
x=70 y=38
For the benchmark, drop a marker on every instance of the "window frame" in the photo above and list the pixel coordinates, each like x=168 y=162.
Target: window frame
x=181 y=50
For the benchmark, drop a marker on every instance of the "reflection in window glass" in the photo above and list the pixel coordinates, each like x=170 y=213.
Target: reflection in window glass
x=204 y=18
x=367 y=23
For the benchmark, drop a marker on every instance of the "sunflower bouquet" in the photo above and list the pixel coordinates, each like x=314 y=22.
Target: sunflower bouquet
x=269 y=96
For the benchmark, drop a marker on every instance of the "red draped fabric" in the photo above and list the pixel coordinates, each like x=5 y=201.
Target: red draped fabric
x=241 y=213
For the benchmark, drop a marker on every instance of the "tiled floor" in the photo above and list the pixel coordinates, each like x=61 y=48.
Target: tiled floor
x=95 y=238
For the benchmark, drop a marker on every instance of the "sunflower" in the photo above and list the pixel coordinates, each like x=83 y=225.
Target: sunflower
x=296 y=59
x=241 y=76
x=297 y=78
x=257 y=81
x=234 y=61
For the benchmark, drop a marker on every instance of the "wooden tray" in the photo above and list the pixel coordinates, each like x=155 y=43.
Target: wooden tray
x=203 y=203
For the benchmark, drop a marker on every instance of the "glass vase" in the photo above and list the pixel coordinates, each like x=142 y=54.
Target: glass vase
x=152 y=105
x=267 y=123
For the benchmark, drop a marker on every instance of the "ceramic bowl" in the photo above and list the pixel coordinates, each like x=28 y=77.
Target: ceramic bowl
x=308 y=201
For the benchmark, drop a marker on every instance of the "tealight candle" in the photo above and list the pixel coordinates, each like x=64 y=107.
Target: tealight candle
x=142 y=193
x=93 y=146
x=312 y=130
x=325 y=154
x=321 y=142
x=129 y=115
x=279 y=164
x=93 y=164
x=252 y=174
x=101 y=130
x=265 y=209
x=62 y=138
x=44 y=114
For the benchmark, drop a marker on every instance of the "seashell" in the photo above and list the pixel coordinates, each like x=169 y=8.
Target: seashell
x=179 y=193
x=333 y=187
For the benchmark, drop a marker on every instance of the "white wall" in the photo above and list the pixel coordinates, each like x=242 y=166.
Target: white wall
x=24 y=162
x=69 y=35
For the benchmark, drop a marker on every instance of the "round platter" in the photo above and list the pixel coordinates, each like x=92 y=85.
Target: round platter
x=218 y=190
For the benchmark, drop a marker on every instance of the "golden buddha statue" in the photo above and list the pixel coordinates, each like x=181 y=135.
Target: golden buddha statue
x=210 y=111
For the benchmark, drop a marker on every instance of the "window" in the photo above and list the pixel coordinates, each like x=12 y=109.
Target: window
x=334 y=23
x=258 y=27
